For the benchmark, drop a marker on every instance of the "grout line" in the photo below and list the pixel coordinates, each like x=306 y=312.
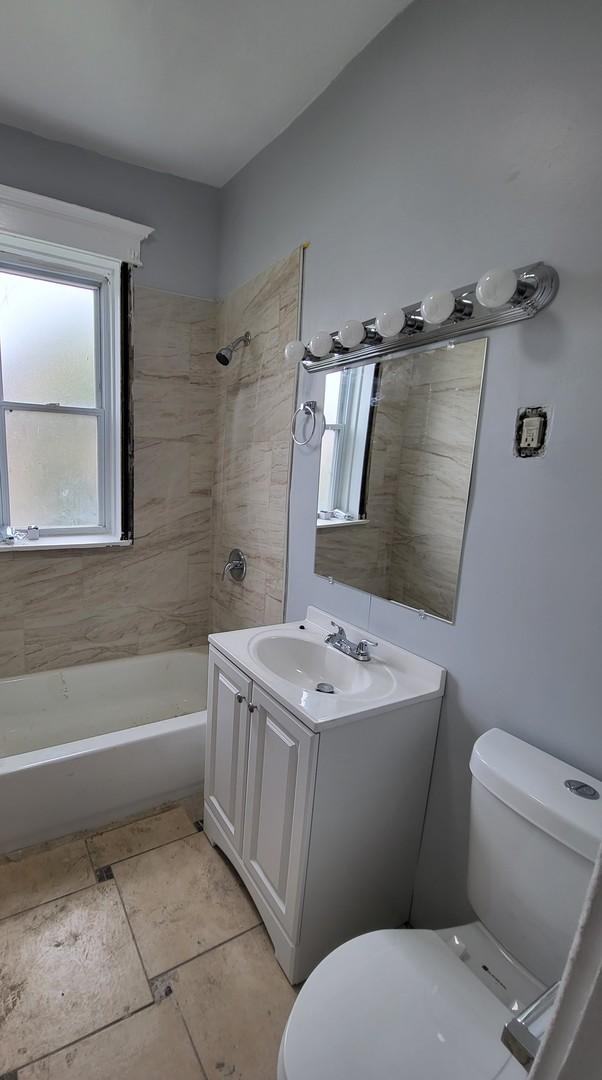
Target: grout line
x=127 y=919
x=32 y=850
x=212 y=948
x=82 y=1038
x=89 y=860
x=192 y=1042
x=155 y=847
x=43 y=903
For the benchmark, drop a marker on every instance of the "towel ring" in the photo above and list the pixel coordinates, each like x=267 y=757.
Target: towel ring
x=308 y=408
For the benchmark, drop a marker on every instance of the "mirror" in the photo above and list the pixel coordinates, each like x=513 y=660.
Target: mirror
x=395 y=468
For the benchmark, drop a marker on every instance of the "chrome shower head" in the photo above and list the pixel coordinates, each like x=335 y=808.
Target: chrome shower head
x=224 y=355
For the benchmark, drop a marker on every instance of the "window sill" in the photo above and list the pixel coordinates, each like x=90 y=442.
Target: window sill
x=52 y=543
x=321 y=523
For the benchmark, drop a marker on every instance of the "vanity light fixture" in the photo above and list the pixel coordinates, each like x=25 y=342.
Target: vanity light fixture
x=437 y=307
x=496 y=288
x=352 y=333
x=390 y=323
x=321 y=344
x=294 y=352
x=499 y=297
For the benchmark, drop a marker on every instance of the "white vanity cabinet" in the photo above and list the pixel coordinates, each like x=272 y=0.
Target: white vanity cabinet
x=322 y=825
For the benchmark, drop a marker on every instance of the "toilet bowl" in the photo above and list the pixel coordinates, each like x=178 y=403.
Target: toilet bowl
x=431 y=1005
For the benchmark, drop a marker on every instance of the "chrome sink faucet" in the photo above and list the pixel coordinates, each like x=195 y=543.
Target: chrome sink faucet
x=356 y=650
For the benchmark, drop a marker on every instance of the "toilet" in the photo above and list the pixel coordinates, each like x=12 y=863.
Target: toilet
x=431 y=1005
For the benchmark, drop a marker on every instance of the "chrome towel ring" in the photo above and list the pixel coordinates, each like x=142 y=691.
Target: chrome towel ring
x=308 y=408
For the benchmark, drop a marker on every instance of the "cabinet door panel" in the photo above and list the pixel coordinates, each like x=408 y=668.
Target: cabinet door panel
x=281 y=773
x=227 y=745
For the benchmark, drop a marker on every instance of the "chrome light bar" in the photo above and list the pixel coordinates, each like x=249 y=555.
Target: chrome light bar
x=537 y=285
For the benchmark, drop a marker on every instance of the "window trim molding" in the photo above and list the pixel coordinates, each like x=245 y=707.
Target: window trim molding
x=25 y=214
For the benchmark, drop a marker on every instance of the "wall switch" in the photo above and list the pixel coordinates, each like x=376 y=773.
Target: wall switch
x=531 y=429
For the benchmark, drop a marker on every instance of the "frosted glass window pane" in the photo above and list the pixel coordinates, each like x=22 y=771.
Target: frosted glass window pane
x=52 y=469
x=47 y=341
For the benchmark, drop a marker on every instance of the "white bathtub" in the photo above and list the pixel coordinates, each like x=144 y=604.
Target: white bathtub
x=85 y=746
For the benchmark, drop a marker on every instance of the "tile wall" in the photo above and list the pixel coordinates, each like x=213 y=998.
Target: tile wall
x=212 y=462
x=63 y=608
x=254 y=401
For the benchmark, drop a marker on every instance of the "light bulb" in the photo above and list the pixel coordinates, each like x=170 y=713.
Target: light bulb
x=352 y=333
x=390 y=323
x=496 y=287
x=294 y=352
x=437 y=307
x=320 y=344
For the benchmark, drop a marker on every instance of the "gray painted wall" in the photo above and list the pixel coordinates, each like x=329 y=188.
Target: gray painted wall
x=180 y=256
x=467 y=135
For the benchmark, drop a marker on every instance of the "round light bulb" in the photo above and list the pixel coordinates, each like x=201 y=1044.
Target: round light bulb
x=390 y=323
x=352 y=333
x=294 y=352
x=320 y=344
x=496 y=287
x=437 y=307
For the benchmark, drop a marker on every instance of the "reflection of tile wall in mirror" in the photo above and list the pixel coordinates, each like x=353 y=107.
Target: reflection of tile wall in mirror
x=420 y=458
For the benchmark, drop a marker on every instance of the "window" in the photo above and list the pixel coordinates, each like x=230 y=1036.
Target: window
x=345 y=445
x=60 y=395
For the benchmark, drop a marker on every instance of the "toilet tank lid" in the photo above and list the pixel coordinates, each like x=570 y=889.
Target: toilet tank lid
x=532 y=783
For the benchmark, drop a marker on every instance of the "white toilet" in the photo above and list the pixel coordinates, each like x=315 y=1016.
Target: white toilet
x=426 y=1005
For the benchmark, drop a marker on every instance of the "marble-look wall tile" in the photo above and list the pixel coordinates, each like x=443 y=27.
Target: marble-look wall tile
x=67 y=608
x=254 y=402
x=439 y=425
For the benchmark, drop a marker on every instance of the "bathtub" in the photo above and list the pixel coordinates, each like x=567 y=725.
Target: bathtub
x=86 y=746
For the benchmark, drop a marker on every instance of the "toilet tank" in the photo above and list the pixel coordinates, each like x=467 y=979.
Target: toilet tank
x=531 y=850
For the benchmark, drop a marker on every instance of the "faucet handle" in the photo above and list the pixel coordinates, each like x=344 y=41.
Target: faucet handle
x=340 y=629
x=364 y=645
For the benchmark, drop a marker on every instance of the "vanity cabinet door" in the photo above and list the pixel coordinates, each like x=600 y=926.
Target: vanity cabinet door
x=280 y=784
x=228 y=697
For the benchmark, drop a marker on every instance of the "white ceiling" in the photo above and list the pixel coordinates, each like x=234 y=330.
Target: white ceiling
x=191 y=87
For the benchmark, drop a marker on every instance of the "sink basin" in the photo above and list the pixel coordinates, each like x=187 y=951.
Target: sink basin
x=307 y=662
x=289 y=660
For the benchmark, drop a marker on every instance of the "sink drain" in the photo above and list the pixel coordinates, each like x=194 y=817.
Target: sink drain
x=325 y=688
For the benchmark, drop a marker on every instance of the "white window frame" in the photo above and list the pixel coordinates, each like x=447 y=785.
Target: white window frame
x=42 y=258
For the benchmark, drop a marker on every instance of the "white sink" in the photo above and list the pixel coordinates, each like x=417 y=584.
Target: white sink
x=306 y=662
x=290 y=659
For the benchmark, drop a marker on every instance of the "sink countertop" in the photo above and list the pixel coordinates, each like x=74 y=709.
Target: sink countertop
x=393 y=678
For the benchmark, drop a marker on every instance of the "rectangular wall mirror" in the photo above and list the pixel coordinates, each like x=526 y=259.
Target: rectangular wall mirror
x=395 y=469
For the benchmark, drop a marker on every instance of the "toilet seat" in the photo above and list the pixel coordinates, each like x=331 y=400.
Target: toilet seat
x=395 y=1004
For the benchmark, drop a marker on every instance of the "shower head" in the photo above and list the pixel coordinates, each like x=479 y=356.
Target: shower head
x=224 y=355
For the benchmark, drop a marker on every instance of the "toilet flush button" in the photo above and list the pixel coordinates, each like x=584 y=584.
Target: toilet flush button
x=579 y=787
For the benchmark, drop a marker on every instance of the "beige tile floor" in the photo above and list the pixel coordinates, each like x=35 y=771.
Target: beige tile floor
x=161 y=971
